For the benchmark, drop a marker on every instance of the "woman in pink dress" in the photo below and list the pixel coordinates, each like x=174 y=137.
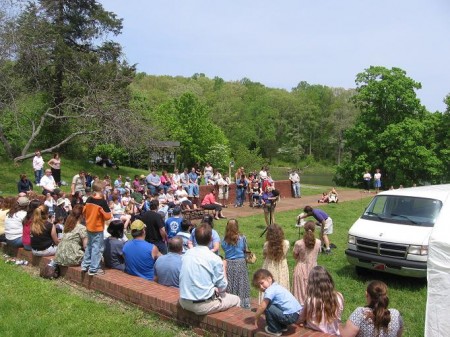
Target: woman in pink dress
x=305 y=253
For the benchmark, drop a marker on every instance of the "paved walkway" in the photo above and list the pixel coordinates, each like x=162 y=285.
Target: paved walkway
x=286 y=204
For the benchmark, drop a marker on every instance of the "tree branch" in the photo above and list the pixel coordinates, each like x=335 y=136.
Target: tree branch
x=50 y=149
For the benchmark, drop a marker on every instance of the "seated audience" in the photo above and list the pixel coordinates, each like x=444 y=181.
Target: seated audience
x=167 y=267
x=140 y=255
x=323 y=305
x=209 y=202
x=333 y=196
x=324 y=198
x=44 y=240
x=48 y=183
x=280 y=307
x=14 y=222
x=214 y=244
x=24 y=185
x=74 y=240
x=185 y=234
x=202 y=278
x=173 y=224
x=375 y=319
x=5 y=205
x=26 y=233
x=113 y=251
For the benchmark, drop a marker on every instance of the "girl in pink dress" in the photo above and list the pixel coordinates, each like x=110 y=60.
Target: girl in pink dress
x=305 y=253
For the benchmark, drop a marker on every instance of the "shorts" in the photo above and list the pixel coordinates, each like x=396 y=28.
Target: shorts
x=328 y=229
x=377 y=183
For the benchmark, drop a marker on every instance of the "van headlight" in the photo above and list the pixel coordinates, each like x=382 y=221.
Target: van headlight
x=418 y=250
x=352 y=239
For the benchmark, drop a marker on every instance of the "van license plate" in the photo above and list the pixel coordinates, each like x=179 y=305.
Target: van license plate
x=379 y=266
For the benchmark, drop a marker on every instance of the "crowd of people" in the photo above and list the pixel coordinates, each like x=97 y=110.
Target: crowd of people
x=90 y=230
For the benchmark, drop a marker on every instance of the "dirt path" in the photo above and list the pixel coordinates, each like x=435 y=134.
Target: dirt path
x=286 y=204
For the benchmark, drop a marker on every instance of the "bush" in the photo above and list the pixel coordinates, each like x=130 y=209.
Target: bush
x=117 y=154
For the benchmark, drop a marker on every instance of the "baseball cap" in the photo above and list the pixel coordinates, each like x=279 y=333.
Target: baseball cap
x=23 y=201
x=137 y=225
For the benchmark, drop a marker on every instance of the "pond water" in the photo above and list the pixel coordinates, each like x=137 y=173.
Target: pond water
x=317 y=179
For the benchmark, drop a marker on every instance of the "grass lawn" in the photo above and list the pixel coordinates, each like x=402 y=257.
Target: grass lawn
x=406 y=294
x=31 y=306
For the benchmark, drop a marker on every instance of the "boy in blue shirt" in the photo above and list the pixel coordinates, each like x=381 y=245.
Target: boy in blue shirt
x=173 y=224
x=281 y=308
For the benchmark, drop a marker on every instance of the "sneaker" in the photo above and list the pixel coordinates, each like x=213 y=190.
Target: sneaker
x=327 y=251
x=38 y=185
x=284 y=330
x=98 y=272
x=84 y=270
x=272 y=333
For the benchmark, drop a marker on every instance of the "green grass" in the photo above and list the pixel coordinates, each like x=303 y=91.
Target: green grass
x=31 y=306
x=406 y=294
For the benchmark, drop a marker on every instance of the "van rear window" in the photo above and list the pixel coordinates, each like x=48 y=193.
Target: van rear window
x=403 y=210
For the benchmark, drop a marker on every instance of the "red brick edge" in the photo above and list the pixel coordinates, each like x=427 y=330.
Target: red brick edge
x=163 y=301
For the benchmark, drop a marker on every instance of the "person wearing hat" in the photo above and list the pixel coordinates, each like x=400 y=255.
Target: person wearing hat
x=140 y=255
x=60 y=209
x=173 y=224
x=14 y=222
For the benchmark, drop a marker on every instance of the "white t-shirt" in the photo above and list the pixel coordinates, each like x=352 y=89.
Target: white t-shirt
x=367 y=176
x=377 y=176
x=14 y=226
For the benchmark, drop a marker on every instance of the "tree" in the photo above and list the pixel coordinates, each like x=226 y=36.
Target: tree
x=74 y=75
x=188 y=121
x=388 y=106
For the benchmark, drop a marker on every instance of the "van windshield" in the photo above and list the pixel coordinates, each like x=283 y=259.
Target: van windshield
x=403 y=210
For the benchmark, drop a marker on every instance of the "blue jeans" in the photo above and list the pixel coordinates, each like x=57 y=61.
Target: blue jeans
x=94 y=252
x=276 y=320
x=240 y=195
x=296 y=188
x=16 y=243
x=193 y=190
x=38 y=175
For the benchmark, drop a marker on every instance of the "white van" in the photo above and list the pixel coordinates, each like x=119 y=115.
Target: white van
x=392 y=234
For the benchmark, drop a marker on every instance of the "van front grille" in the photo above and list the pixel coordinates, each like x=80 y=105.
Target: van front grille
x=381 y=248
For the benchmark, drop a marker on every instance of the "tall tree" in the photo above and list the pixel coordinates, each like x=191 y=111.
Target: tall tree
x=388 y=103
x=64 y=59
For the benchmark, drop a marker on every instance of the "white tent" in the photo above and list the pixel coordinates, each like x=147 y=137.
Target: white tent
x=437 y=320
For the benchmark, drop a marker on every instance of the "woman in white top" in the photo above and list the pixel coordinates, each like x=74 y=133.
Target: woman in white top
x=14 y=222
x=208 y=173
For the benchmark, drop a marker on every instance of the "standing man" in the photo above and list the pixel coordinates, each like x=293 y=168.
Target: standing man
x=202 y=279
x=155 y=231
x=168 y=267
x=78 y=183
x=326 y=224
x=96 y=212
x=295 y=180
x=38 y=167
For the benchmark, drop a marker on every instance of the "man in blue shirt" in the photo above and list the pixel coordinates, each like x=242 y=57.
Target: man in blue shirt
x=325 y=222
x=167 y=267
x=193 y=185
x=139 y=254
x=202 y=279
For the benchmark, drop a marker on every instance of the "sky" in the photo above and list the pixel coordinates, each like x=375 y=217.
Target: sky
x=280 y=43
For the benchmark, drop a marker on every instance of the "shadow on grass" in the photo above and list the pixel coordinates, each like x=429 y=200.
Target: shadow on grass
x=394 y=281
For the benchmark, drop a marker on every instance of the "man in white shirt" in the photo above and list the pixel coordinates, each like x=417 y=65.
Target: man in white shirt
x=48 y=183
x=295 y=180
x=202 y=278
x=38 y=165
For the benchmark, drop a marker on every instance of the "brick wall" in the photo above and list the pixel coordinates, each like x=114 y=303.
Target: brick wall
x=163 y=301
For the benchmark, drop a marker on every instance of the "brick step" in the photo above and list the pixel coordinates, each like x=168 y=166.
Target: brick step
x=163 y=301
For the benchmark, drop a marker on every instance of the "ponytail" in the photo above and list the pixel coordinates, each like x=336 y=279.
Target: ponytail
x=379 y=302
x=308 y=237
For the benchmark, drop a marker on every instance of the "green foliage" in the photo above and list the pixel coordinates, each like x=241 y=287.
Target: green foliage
x=394 y=132
x=218 y=156
x=187 y=120
x=251 y=160
x=117 y=154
